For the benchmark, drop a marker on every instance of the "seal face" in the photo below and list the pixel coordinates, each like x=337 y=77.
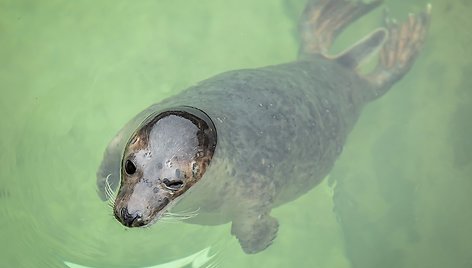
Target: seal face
x=165 y=156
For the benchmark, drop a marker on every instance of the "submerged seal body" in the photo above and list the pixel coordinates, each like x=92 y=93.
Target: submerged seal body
x=243 y=142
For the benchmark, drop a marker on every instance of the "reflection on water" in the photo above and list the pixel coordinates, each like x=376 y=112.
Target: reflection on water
x=73 y=72
x=200 y=259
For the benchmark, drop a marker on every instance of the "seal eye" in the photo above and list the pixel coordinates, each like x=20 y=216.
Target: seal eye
x=173 y=185
x=130 y=168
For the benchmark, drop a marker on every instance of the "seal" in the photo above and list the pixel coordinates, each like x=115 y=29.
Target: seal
x=238 y=144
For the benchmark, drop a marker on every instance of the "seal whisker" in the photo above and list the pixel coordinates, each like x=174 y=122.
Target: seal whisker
x=179 y=216
x=169 y=220
x=109 y=193
x=108 y=190
x=182 y=215
x=110 y=204
x=185 y=212
x=172 y=218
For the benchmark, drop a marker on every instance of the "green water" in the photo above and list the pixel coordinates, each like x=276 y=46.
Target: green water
x=73 y=72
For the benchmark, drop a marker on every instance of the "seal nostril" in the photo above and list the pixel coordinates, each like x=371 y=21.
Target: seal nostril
x=130 y=220
x=124 y=212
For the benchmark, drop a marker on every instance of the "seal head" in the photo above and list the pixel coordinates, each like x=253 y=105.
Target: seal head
x=166 y=155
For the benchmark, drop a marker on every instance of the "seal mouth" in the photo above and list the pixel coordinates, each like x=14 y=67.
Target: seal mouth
x=139 y=219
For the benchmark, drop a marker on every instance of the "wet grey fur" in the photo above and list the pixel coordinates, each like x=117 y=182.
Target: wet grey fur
x=287 y=122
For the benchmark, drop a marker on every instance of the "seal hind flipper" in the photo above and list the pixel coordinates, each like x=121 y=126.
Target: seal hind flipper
x=361 y=51
x=323 y=20
x=400 y=50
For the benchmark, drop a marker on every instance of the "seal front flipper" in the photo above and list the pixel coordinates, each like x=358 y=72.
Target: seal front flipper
x=252 y=223
x=255 y=232
x=399 y=51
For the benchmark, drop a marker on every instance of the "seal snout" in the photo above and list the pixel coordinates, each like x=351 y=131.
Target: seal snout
x=130 y=220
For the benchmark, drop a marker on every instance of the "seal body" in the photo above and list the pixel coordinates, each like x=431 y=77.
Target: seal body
x=285 y=124
x=279 y=130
